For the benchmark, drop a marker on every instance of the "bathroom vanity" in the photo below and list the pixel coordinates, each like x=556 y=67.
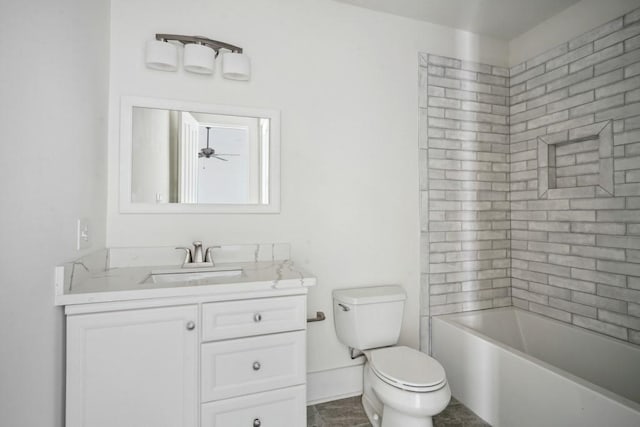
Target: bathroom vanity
x=222 y=350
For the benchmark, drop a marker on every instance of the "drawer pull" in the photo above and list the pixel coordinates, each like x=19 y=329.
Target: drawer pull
x=256 y=366
x=257 y=318
x=191 y=326
x=257 y=422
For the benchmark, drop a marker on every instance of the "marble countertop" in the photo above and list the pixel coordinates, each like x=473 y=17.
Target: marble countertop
x=78 y=284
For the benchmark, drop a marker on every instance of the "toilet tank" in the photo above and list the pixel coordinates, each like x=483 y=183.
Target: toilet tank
x=368 y=317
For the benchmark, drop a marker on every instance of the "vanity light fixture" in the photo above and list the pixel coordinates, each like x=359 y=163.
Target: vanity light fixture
x=199 y=56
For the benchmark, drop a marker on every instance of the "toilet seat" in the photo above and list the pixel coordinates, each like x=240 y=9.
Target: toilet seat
x=407 y=369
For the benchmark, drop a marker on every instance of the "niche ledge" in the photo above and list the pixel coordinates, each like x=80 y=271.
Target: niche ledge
x=602 y=133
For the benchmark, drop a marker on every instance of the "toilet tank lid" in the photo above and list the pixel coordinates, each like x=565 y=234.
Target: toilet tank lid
x=370 y=294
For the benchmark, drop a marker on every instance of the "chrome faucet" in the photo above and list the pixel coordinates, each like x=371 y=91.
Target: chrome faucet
x=195 y=257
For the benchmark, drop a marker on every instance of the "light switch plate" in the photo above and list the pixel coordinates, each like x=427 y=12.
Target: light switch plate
x=82 y=234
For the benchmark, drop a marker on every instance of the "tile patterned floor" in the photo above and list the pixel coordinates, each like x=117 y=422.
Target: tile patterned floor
x=349 y=413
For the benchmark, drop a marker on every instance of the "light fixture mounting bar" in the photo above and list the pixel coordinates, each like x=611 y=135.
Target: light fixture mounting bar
x=213 y=44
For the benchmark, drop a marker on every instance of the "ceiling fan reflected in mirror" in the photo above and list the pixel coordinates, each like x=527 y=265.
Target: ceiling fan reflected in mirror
x=209 y=152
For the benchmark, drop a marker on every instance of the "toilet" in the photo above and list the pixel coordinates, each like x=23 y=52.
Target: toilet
x=403 y=387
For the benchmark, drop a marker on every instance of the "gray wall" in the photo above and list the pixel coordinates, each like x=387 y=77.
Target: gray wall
x=570 y=166
x=576 y=249
x=53 y=114
x=464 y=184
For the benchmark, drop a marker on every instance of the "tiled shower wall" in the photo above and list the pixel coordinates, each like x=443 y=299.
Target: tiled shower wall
x=575 y=123
x=465 y=185
x=568 y=243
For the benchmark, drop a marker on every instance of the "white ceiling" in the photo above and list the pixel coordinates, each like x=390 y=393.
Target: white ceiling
x=503 y=19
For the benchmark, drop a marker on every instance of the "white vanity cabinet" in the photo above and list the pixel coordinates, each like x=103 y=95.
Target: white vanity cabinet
x=188 y=362
x=133 y=368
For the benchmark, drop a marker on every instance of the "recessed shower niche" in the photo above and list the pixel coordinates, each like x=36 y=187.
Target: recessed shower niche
x=577 y=164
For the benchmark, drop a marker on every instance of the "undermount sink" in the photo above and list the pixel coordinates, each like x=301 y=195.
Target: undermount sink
x=182 y=275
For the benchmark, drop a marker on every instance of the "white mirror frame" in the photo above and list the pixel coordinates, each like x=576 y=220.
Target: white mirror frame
x=126 y=144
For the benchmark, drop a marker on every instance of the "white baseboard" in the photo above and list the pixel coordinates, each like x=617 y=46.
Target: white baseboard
x=334 y=384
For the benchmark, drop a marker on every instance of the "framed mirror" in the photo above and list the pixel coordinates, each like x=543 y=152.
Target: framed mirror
x=182 y=157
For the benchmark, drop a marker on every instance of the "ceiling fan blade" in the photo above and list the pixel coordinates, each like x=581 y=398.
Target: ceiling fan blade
x=219 y=158
x=226 y=154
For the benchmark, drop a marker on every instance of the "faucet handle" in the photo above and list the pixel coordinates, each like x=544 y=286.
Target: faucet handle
x=208 y=256
x=187 y=255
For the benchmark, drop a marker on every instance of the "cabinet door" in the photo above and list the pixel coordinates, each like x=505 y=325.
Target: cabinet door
x=133 y=368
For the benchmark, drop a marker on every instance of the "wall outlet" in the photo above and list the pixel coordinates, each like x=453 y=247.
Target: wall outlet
x=82 y=234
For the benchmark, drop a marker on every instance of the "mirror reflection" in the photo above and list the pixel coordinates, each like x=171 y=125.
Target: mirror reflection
x=186 y=157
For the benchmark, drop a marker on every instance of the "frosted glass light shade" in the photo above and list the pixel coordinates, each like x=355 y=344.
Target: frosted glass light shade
x=199 y=58
x=236 y=66
x=161 y=55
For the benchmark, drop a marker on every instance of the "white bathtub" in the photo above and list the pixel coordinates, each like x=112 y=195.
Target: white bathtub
x=517 y=369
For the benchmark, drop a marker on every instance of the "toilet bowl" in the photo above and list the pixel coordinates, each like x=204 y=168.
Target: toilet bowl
x=410 y=386
x=403 y=387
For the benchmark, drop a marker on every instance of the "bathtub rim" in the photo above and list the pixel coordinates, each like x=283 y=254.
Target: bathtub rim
x=581 y=382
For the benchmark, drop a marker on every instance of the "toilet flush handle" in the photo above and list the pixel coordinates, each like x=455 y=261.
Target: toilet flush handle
x=344 y=307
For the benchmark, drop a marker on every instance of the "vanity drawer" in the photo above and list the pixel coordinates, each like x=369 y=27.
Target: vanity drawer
x=279 y=408
x=232 y=319
x=251 y=365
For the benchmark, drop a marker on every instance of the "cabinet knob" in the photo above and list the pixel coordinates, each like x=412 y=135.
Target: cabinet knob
x=257 y=317
x=257 y=422
x=256 y=366
x=191 y=325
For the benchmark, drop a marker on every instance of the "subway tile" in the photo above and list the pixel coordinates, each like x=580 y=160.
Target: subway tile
x=597 y=57
x=596 y=33
x=548 y=119
x=617 y=62
x=548 y=268
x=476 y=67
x=500 y=71
x=628 y=269
x=628 y=242
x=572 y=284
x=572 y=307
x=530 y=296
x=619 y=319
x=623 y=294
x=599 y=277
x=627 y=189
x=617 y=37
x=632 y=70
x=570 y=57
x=529 y=74
x=619 y=87
x=597 y=252
x=551 y=291
x=492 y=79
x=443 y=61
x=550 y=312
x=602 y=327
x=630 y=137
x=573 y=238
x=599 y=105
x=574 y=261
x=597 y=82
x=569 y=102
x=573 y=123
x=547 y=77
x=599 y=302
